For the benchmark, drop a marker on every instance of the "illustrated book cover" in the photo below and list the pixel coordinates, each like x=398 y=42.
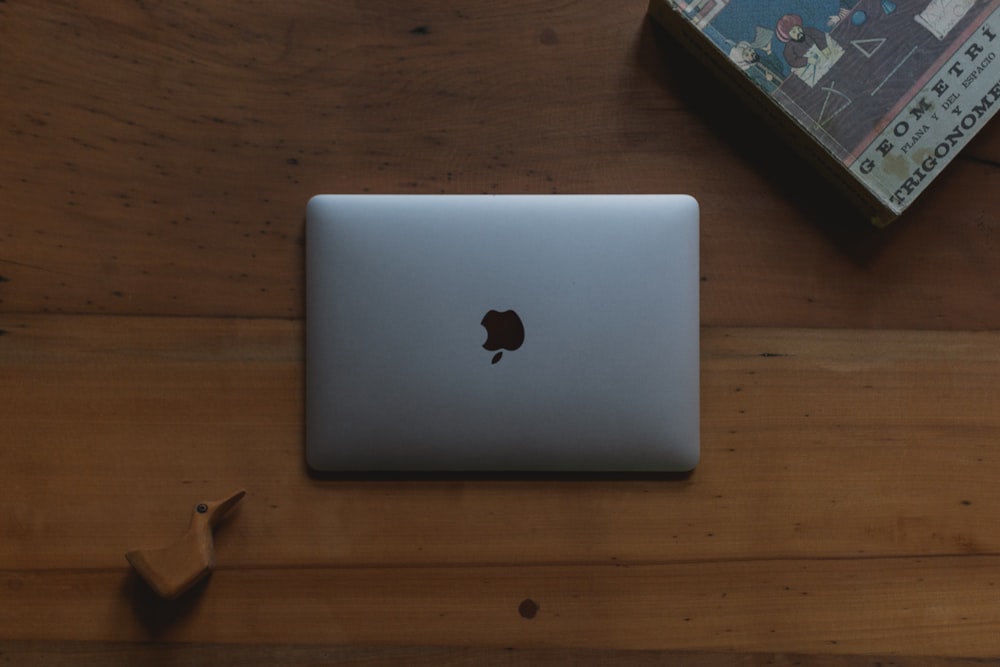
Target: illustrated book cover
x=879 y=94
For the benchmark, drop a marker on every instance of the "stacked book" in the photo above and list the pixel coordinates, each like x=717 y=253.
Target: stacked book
x=879 y=94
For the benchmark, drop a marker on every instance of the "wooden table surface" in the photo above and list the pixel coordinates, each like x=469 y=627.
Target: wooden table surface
x=155 y=161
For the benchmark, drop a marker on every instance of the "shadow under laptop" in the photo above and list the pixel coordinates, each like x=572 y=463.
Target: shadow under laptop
x=498 y=476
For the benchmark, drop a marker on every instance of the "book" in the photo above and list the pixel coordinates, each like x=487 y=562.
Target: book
x=878 y=94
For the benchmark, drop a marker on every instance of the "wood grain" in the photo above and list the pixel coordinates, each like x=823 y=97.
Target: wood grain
x=801 y=531
x=835 y=607
x=155 y=161
x=892 y=455
x=157 y=157
x=111 y=654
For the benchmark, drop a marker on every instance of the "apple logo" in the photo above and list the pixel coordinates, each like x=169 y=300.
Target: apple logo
x=504 y=331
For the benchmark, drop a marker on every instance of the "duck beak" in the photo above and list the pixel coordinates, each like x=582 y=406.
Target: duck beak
x=219 y=508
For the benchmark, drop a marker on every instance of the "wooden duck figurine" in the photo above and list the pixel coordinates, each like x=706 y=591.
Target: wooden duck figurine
x=172 y=570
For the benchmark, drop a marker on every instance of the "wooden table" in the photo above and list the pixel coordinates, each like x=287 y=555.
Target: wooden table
x=156 y=160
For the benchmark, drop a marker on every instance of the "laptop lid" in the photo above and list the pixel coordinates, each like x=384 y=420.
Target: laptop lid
x=502 y=333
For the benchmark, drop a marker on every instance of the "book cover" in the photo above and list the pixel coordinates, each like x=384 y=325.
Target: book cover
x=881 y=94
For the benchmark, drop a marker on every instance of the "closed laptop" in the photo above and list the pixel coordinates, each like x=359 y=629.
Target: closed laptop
x=502 y=333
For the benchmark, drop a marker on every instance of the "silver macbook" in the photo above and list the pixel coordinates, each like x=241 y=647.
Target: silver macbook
x=502 y=333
